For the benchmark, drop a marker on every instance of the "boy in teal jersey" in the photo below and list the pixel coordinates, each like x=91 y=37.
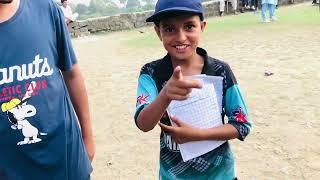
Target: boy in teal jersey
x=179 y=24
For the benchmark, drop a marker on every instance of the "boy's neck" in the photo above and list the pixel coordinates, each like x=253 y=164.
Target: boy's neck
x=189 y=67
x=7 y=11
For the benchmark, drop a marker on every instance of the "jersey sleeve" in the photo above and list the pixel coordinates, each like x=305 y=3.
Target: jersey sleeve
x=146 y=93
x=67 y=57
x=235 y=107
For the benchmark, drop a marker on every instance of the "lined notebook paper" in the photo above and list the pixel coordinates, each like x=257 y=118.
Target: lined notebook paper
x=201 y=110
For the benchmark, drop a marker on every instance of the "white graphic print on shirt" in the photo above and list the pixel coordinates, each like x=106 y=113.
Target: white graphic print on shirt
x=14 y=101
x=17 y=111
x=26 y=71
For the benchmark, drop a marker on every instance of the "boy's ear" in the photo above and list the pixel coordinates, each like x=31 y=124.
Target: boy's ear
x=203 y=25
x=157 y=29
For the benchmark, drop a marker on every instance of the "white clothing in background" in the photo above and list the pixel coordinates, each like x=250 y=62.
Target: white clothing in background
x=68 y=13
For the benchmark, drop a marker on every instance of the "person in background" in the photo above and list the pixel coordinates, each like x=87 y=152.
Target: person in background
x=68 y=14
x=245 y=5
x=268 y=5
x=234 y=4
x=254 y=5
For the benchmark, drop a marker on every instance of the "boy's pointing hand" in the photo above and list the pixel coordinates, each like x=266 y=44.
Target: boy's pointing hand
x=178 y=88
x=177 y=74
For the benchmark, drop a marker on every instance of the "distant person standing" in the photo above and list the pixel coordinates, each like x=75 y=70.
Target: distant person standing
x=66 y=9
x=314 y=2
x=269 y=5
x=254 y=5
x=222 y=5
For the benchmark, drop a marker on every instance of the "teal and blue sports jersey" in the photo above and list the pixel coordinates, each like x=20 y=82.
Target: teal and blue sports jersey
x=217 y=164
x=40 y=136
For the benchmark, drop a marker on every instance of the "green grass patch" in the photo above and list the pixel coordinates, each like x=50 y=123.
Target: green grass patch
x=149 y=39
x=301 y=15
x=287 y=16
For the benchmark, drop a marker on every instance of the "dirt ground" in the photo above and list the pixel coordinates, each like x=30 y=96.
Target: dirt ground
x=284 y=107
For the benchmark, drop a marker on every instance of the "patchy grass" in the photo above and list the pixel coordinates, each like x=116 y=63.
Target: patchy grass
x=288 y=17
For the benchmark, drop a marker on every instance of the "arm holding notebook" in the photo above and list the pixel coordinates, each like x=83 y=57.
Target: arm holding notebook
x=238 y=125
x=183 y=133
x=176 y=88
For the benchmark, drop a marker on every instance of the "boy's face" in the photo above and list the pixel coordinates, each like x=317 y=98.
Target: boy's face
x=180 y=35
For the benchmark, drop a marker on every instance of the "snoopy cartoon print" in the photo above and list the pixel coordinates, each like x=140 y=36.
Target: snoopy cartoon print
x=17 y=111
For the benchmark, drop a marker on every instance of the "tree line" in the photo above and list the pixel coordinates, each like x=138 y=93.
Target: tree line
x=97 y=8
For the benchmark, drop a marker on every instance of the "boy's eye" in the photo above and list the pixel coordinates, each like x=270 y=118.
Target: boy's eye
x=169 y=29
x=190 y=26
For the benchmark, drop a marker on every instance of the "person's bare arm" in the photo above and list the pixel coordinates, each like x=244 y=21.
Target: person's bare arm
x=176 y=88
x=151 y=114
x=78 y=94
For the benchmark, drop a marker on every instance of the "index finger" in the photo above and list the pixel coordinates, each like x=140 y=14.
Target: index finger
x=190 y=83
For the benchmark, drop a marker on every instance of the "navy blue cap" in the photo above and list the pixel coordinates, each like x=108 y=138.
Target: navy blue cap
x=176 y=6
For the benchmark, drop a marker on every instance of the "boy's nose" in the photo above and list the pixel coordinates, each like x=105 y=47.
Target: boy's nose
x=181 y=36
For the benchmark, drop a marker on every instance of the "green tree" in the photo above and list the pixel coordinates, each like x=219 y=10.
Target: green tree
x=81 y=9
x=133 y=4
x=102 y=8
x=97 y=6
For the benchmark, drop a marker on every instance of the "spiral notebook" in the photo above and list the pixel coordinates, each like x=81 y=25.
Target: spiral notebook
x=201 y=110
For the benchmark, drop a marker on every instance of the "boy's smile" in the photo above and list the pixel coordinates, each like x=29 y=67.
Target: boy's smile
x=180 y=35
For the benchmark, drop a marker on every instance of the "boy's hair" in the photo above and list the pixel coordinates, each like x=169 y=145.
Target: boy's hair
x=170 y=8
